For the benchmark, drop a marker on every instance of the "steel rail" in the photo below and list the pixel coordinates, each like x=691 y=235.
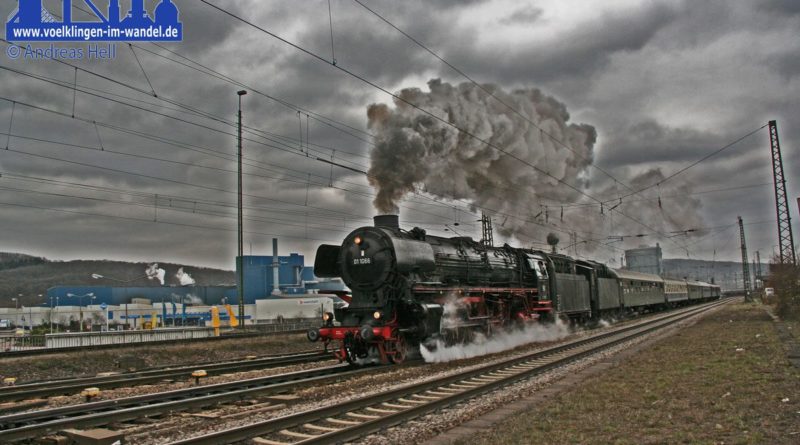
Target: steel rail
x=38 y=423
x=74 y=385
x=373 y=413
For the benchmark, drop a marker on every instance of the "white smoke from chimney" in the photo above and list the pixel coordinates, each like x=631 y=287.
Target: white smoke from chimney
x=155 y=272
x=184 y=278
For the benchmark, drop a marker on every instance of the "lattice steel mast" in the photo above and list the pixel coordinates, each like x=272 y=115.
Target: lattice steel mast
x=785 y=238
x=486 y=223
x=745 y=263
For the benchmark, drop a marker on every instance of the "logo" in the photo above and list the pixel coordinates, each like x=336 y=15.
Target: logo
x=32 y=22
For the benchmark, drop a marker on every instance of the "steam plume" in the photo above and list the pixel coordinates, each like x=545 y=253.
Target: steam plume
x=184 y=278
x=500 y=341
x=155 y=272
x=416 y=152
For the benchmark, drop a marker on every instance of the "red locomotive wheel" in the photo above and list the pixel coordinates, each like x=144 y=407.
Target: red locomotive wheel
x=400 y=349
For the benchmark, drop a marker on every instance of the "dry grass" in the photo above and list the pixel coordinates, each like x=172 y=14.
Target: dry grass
x=693 y=387
x=90 y=362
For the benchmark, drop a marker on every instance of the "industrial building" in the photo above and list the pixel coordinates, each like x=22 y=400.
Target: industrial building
x=275 y=288
x=645 y=260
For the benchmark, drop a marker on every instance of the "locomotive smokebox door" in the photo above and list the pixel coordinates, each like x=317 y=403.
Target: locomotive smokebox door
x=366 y=258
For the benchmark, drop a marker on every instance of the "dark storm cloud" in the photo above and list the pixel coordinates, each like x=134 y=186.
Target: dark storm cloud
x=649 y=142
x=579 y=52
x=781 y=7
x=524 y=15
x=663 y=82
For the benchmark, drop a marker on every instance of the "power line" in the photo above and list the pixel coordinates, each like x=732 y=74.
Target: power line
x=490 y=93
x=714 y=153
x=401 y=99
x=168 y=197
x=323 y=160
x=170 y=207
x=150 y=221
x=217 y=74
x=420 y=109
x=287 y=149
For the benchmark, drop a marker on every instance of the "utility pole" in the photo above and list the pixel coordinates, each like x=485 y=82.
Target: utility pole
x=758 y=266
x=745 y=265
x=785 y=238
x=240 y=253
x=573 y=238
x=488 y=236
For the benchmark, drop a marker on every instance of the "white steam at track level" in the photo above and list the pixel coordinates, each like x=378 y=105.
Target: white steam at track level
x=499 y=342
x=416 y=152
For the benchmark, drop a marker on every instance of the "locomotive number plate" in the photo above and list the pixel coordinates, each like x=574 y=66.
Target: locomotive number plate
x=359 y=261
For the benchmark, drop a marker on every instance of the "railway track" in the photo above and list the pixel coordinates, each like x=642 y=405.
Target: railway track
x=39 y=423
x=356 y=418
x=72 y=386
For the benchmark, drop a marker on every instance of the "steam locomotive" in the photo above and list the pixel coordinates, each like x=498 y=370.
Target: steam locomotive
x=409 y=287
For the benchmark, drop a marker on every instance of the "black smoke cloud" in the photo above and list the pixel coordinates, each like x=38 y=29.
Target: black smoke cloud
x=415 y=149
x=419 y=153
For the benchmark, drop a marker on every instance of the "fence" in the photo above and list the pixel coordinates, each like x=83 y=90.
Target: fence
x=11 y=343
x=286 y=325
x=76 y=339
x=24 y=345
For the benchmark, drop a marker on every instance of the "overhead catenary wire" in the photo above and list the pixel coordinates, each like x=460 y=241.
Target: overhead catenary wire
x=171 y=207
x=320 y=159
x=141 y=67
x=288 y=150
x=422 y=110
x=704 y=158
x=150 y=136
x=401 y=99
x=489 y=93
x=284 y=147
x=150 y=221
x=9 y=131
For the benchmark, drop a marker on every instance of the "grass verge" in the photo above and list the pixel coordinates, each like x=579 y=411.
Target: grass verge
x=724 y=380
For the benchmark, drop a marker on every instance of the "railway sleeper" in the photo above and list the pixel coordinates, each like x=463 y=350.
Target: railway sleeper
x=465 y=385
x=447 y=390
x=380 y=411
x=362 y=416
x=424 y=397
x=439 y=393
x=342 y=421
x=263 y=441
x=291 y=433
x=324 y=429
x=396 y=405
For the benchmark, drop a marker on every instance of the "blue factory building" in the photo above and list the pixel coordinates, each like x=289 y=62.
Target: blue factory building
x=118 y=295
x=294 y=278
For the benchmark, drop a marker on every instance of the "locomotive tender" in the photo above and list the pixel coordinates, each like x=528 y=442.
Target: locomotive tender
x=409 y=287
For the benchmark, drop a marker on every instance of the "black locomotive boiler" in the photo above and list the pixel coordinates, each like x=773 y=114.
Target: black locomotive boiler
x=409 y=287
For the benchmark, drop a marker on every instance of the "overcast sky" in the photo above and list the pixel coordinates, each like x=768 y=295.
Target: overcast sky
x=664 y=83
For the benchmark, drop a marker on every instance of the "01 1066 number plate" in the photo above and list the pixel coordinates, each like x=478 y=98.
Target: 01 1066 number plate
x=360 y=261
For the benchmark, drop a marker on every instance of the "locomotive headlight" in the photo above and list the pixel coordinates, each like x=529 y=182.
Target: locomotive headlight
x=357 y=240
x=326 y=316
x=377 y=315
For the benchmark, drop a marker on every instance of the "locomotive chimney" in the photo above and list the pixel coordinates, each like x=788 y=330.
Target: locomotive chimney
x=388 y=221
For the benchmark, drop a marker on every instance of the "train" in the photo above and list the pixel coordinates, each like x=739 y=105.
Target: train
x=410 y=288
